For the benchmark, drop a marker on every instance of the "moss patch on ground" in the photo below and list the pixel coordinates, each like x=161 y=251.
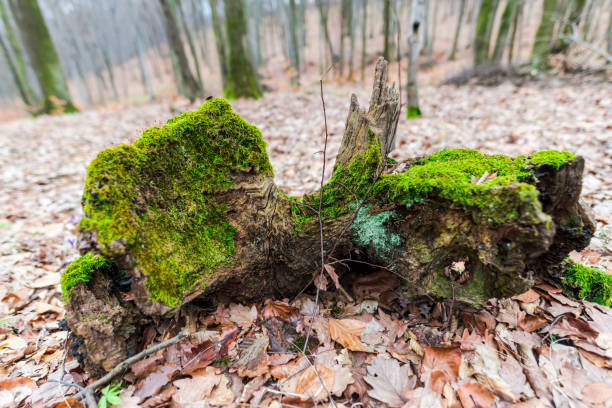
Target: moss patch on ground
x=157 y=197
x=82 y=270
x=583 y=282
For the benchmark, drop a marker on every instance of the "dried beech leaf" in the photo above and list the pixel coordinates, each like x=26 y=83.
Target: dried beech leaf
x=389 y=381
x=347 y=332
x=474 y=395
x=243 y=316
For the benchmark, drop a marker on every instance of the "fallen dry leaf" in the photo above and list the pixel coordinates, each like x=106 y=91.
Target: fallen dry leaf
x=474 y=395
x=243 y=316
x=441 y=365
x=315 y=383
x=389 y=381
x=347 y=332
x=598 y=393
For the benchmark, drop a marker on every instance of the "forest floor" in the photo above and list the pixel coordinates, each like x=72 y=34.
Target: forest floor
x=441 y=353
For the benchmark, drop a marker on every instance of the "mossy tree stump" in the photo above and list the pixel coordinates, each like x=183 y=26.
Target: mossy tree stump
x=190 y=214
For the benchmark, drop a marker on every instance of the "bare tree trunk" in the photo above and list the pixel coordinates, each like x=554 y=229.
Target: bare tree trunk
x=364 y=25
x=219 y=39
x=192 y=49
x=43 y=56
x=188 y=85
x=542 y=43
x=415 y=42
x=484 y=26
x=323 y=12
x=15 y=61
x=351 y=60
x=386 y=28
x=501 y=43
x=451 y=57
x=609 y=33
x=515 y=24
x=241 y=79
x=434 y=23
x=294 y=52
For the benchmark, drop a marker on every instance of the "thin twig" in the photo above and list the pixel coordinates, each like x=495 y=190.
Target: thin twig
x=321 y=190
x=67 y=384
x=91 y=388
x=320 y=221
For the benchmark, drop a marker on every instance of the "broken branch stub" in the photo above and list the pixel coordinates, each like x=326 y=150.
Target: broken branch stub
x=190 y=213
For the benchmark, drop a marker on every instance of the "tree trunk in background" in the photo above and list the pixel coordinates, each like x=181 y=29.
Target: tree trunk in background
x=364 y=26
x=144 y=75
x=16 y=80
x=588 y=18
x=515 y=24
x=258 y=42
x=484 y=24
x=432 y=39
x=192 y=49
x=16 y=62
x=576 y=10
x=415 y=42
x=386 y=28
x=323 y=12
x=501 y=43
x=543 y=37
x=219 y=39
x=451 y=57
x=109 y=69
x=345 y=23
x=351 y=60
x=188 y=85
x=609 y=33
x=295 y=49
x=241 y=79
x=232 y=236
x=43 y=56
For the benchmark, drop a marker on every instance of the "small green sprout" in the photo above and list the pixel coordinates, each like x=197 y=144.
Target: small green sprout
x=110 y=396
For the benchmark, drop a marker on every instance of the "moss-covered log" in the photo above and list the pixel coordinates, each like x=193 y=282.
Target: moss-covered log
x=190 y=213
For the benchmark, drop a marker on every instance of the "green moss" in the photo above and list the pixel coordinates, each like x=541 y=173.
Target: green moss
x=222 y=361
x=157 y=197
x=553 y=158
x=587 y=283
x=369 y=230
x=413 y=112
x=451 y=174
x=82 y=270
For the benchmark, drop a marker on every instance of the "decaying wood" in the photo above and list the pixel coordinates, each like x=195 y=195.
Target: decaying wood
x=274 y=258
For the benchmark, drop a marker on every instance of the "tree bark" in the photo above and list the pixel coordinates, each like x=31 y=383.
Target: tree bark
x=15 y=61
x=364 y=25
x=484 y=27
x=323 y=12
x=43 y=56
x=241 y=79
x=219 y=39
x=415 y=42
x=188 y=85
x=543 y=37
x=386 y=28
x=189 y=216
x=451 y=57
x=501 y=43
x=190 y=42
x=295 y=49
x=515 y=28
